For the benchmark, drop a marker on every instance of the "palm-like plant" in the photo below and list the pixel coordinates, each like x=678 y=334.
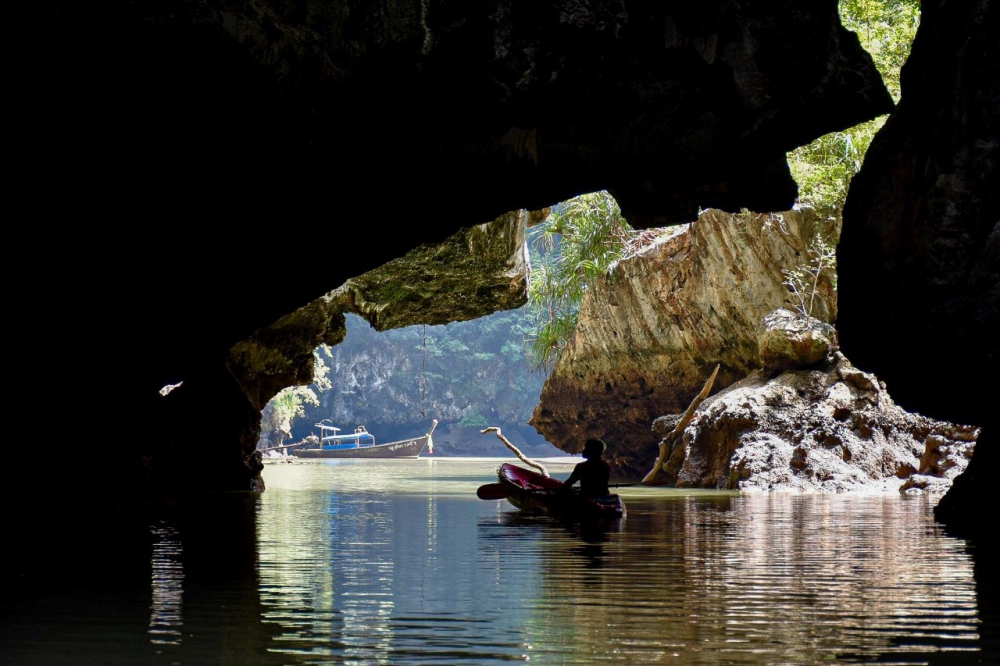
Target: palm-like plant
x=579 y=243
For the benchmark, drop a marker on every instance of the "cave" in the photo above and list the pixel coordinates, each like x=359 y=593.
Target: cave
x=191 y=156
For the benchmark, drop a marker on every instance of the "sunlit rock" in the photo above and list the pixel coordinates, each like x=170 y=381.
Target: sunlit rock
x=829 y=428
x=652 y=331
x=791 y=340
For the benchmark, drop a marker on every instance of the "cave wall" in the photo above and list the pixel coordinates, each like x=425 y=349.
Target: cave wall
x=177 y=159
x=181 y=161
x=919 y=257
x=920 y=242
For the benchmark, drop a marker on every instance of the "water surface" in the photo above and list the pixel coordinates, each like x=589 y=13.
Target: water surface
x=398 y=562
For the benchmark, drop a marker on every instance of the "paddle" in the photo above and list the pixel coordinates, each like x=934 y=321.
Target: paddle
x=492 y=491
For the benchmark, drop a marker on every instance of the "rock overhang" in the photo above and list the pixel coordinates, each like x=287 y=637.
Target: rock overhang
x=226 y=131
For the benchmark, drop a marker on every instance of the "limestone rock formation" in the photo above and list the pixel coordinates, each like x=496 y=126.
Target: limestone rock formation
x=651 y=332
x=473 y=273
x=226 y=145
x=829 y=427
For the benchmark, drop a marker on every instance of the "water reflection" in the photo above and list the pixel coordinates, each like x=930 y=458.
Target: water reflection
x=768 y=577
x=754 y=577
x=379 y=584
x=165 y=617
x=400 y=563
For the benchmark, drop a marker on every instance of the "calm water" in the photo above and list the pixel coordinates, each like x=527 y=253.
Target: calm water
x=398 y=562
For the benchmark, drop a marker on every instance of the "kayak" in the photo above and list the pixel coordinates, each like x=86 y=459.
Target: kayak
x=532 y=492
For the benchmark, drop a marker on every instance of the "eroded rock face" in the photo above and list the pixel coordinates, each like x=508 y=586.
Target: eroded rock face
x=651 y=333
x=829 y=428
x=475 y=272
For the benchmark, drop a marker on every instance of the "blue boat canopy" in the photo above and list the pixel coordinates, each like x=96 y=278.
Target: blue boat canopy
x=330 y=439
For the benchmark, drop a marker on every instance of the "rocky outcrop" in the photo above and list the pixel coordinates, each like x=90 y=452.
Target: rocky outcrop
x=792 y=412
x=475 y=272
x=790 y=340
x=652 y=331
x=826 y=428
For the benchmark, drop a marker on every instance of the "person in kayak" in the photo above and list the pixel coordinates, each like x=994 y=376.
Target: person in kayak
x=593 y=473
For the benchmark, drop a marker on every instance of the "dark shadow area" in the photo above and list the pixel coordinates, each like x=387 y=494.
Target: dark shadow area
x=116 y=584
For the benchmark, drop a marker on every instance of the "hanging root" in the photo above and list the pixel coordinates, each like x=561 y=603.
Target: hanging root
x=651 y=479
x=526 y=461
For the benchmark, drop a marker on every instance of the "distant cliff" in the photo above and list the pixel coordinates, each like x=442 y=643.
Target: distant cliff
x=469 y=375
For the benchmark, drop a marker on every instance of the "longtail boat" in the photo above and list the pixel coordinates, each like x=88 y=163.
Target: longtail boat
x=359 y=444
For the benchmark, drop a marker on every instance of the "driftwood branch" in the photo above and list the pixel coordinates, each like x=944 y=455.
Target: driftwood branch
x=665 y=445
x=525 y=460
x=283 y=446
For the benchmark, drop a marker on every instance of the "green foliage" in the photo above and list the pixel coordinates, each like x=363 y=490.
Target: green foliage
x=321 y=371
x=580 y=242
x=473 y=420
x=886 y=29
x=279 y=414
x=824 y=168
x=803 y=280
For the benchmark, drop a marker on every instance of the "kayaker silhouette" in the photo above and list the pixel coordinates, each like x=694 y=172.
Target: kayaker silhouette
x=593 y=473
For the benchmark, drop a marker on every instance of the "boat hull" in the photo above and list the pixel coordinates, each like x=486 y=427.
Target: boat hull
x=536 y=493
x=407 y=448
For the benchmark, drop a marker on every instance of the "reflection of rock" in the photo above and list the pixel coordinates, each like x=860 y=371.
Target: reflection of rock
x=829 y=427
